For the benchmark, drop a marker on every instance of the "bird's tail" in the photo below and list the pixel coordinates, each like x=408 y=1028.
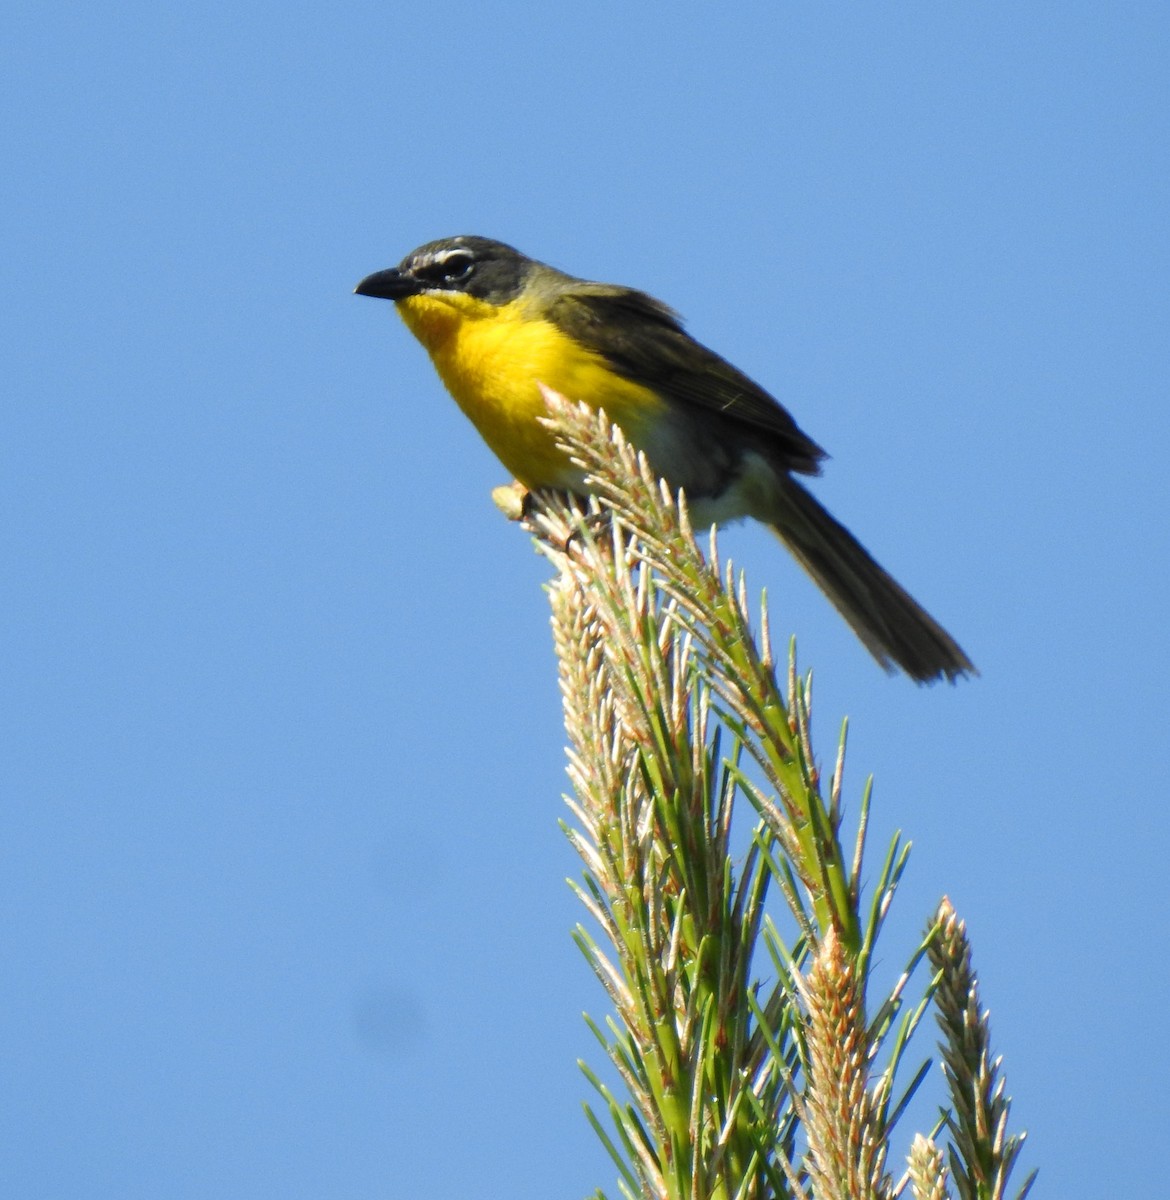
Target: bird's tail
x=895 y=629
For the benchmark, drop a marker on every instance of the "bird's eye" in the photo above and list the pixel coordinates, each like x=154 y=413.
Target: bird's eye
x=458 y=266
x=452 y=267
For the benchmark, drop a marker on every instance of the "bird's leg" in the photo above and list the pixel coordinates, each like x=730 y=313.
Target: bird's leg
x=519 y=503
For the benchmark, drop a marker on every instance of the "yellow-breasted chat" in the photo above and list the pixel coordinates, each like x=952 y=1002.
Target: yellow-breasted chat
x=498 y=324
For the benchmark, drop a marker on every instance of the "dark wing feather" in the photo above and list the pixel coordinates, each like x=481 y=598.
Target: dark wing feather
x=644 y=341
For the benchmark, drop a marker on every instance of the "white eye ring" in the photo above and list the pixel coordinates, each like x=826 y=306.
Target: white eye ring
x=465 y=262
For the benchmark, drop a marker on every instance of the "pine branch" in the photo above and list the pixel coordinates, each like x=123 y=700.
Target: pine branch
x=735 y=1090
x=982 y=1152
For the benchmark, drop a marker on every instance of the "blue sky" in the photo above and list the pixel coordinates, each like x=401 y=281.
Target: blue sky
x=282 y=910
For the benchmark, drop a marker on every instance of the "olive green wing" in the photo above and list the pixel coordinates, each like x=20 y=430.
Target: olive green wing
x=643 y=340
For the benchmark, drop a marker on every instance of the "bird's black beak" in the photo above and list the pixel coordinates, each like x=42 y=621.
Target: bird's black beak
x=391 y=284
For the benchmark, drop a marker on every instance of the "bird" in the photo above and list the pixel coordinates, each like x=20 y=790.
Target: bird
x=500 y=326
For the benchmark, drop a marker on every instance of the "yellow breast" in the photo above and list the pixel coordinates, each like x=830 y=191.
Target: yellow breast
x=491 y=359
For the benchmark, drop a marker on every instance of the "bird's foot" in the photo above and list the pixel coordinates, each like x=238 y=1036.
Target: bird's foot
x=513 y=500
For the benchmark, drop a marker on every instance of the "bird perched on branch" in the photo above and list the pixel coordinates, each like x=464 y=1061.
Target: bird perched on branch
x=498 y=324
